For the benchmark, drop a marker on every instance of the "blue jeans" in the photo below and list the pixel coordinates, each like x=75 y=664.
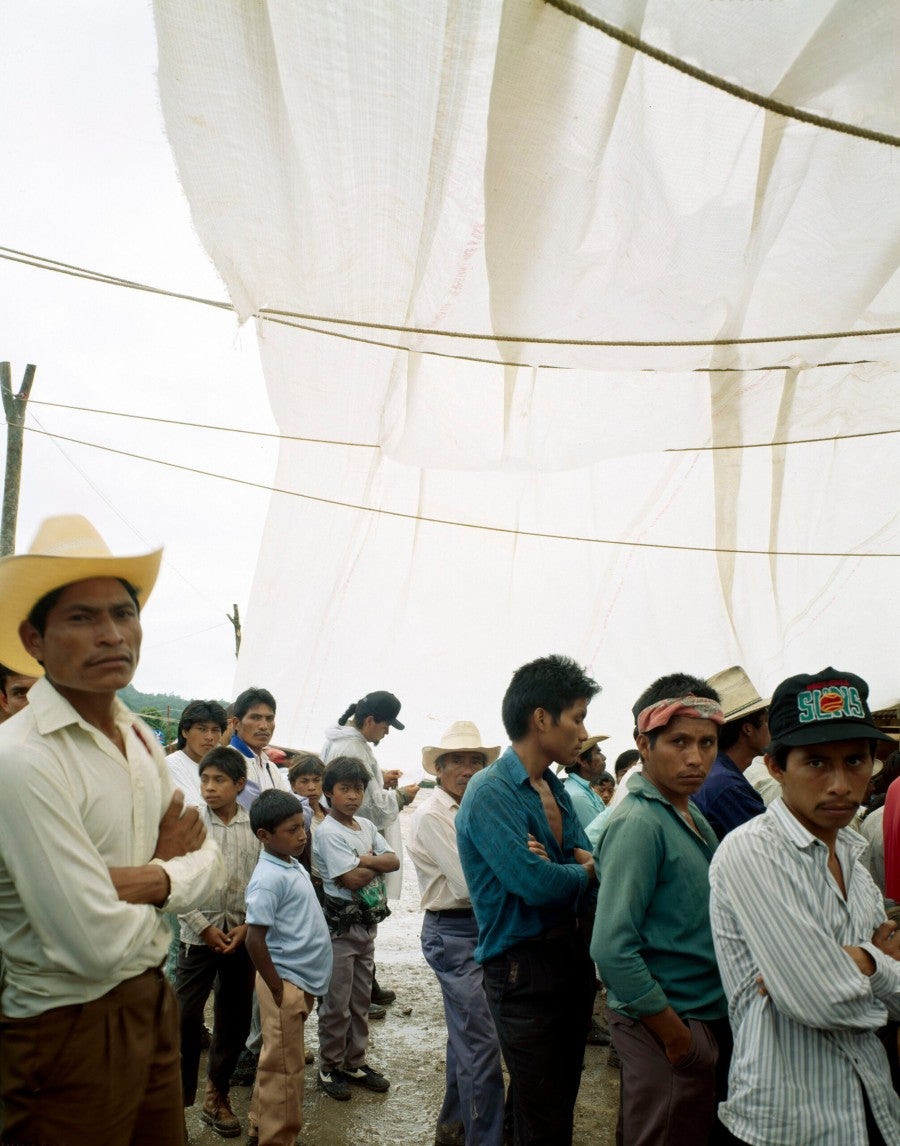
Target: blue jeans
x=541 y=995
x=474 y=1090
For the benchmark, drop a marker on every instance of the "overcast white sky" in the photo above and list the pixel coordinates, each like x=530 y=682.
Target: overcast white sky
x=88 y=179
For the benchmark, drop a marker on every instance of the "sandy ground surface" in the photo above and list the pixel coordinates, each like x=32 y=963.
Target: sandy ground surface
x=408 y=1048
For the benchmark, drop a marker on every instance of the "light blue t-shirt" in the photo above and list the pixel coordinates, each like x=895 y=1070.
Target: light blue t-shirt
x=336 y=850
x=280 y=896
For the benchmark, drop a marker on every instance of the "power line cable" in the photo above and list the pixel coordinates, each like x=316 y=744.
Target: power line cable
x=374 y=445
x=788 y=111
x=270 y=314
x=496 y=529
x=121 y=516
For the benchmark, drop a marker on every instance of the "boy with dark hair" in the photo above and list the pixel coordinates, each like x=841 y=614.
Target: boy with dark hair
x=213 y=955
x=652 y=939
x=808 y=961
x=290 y=948
x=305 y=776
x=529 y=873
x=352 y=857
x=200 y=729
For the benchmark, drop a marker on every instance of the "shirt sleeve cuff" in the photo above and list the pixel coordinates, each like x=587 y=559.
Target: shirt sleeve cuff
x=194 y=878
x=650 y=1003
x=885 y=980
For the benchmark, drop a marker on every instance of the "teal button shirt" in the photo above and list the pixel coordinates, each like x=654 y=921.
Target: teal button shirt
x=652 y=936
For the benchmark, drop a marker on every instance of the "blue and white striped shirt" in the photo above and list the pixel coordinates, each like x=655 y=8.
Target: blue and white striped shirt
x=803 y=1053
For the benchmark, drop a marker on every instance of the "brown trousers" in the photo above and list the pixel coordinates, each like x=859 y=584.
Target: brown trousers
x=276 y=1108
x=105 y=1071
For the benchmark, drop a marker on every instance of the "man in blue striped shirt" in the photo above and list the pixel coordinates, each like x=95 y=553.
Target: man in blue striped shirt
x=807 y=959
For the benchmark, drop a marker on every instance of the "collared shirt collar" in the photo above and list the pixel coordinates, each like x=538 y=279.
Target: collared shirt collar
x=443 y=797
x=518 y=773
x=578 y=780
x=269 y=858
x=52 y=711
x=803 y=838
x=725 y=761
x=242 y=816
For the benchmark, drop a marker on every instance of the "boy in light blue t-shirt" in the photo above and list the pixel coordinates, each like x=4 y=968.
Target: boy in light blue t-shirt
x=351 y=855
x=289 y=944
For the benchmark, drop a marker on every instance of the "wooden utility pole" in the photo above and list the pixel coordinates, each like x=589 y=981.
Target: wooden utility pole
x=236 y=621
x=14 y=405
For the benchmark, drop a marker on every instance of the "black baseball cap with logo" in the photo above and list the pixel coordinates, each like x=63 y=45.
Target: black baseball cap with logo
x=381 y=706
x=820 y=708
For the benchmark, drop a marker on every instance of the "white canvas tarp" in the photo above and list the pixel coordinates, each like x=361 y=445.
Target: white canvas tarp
x=569 y=347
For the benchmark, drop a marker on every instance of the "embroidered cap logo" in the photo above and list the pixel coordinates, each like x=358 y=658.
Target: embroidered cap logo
x=830 y=701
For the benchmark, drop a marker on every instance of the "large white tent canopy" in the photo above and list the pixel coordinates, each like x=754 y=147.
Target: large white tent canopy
x=573 y=348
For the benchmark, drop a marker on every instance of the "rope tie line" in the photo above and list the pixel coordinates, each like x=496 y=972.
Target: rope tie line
x=416 y=517
x=38 y=262
x=267 y=434
x=788 y=111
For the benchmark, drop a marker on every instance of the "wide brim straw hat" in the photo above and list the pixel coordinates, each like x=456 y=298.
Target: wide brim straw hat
x=586 y=746
x=737 y=693
x=67 y=548
x=461 y=736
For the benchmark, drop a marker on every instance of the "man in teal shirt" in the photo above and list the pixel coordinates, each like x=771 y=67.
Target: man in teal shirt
x=589 y=766
x=652 y=938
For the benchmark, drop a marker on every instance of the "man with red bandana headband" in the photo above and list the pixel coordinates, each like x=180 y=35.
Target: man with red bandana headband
x=652 y=939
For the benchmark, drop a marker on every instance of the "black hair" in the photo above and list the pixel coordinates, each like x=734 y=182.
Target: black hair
x=200 y=712
x=5 y=674
x=552 y=683
x=730 y=733
x=227 y=760
x=674 y=685
x=251 y=696
x=37 y=616
x=271 y=808
x=603 y=778
x=360 y=710
x=344 y=770
x=306 y=764
x=625 y=759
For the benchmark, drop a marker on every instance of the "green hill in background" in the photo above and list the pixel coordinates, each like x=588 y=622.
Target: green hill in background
x=161 y=710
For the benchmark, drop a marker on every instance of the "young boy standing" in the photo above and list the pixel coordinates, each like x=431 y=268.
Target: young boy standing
x=305 y=778
x=352 y=856
x=290 y=947
x=212 y=953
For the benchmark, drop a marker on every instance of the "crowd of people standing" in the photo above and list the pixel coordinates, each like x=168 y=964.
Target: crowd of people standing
x=749 y=961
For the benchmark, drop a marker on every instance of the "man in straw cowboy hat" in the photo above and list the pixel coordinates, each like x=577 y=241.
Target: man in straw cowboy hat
x=727 y=799
x=590 y=766
x=472 y=1110
x=808 y=960
x=93 y=845
x=531 y=877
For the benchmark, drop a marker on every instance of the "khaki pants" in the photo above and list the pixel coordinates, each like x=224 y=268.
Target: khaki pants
x=276 y=1108
x=105 y=1071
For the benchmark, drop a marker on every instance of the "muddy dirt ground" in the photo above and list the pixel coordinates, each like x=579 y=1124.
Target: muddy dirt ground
x=408 y=1048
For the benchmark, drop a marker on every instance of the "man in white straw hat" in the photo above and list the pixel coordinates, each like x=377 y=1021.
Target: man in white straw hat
x=589 y=766
x=727 y=798
x=93 y=846
x=472 y=1110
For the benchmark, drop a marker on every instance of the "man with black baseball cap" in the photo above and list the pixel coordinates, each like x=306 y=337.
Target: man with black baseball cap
x=808 y=961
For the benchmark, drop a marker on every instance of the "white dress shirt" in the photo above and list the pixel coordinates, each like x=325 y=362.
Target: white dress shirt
x=431 y=844
x=802 y=1053
x=72 y=807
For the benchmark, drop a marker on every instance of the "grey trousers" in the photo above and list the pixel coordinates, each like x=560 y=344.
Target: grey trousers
x=660 y=1102
x=344 y=1010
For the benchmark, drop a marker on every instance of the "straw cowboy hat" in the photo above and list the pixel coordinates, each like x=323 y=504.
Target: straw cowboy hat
x=67 y=548
x=461 y=736
x=586 y=746
x=738 y=696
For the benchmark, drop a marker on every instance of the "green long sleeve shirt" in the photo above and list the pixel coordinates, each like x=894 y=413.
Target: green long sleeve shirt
x=652 y=938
